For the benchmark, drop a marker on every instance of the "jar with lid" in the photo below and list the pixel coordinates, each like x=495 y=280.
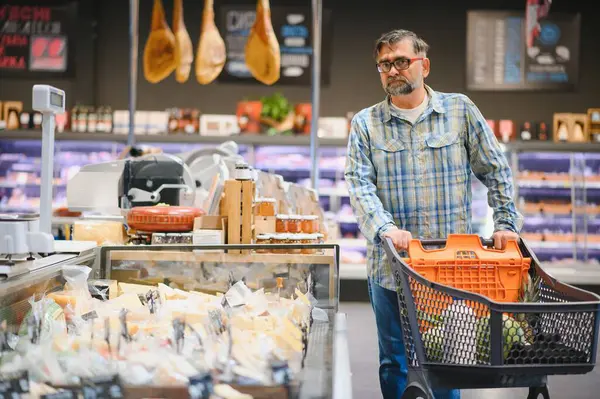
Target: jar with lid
x=263 y=239
x=242 y=171
x=265 y=207
x=281 y=238
x=308 y=239
x=310 y=224
x=295 y=239
x=281 y=223
x=295 y=224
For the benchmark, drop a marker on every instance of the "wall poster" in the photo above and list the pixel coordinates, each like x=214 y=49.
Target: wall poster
x=293 y=28
x=498 y=58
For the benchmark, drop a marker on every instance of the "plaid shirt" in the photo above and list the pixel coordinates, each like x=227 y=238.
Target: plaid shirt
x=418 y=177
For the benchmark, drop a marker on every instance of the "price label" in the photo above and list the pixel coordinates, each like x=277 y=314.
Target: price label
x=14 y=384
x=103 y=388
x=90 y=315
x=200 y=386
x=63 y=394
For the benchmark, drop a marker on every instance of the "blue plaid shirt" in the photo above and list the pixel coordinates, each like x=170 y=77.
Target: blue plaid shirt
x=417 y=177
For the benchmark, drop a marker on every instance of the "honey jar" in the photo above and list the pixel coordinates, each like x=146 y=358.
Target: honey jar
x=295 y=239
x=310 y=224
x=281 y=238
x=308 y=239
x=262 y=239
x=265 y=207
x=294 y=224
x=281 y=223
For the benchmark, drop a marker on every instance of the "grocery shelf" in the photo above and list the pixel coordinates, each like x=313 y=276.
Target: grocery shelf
x=550 y=146
x=258 y=139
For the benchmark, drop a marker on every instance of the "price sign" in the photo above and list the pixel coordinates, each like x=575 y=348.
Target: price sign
x=37 y=40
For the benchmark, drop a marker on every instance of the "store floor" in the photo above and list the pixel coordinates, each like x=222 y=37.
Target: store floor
x=362 y=340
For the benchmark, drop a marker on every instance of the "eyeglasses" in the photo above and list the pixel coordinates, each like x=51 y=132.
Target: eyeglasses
x=400 y=64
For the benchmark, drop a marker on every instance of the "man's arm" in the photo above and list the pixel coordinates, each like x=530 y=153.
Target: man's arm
x=360 y=176
x=491 y=167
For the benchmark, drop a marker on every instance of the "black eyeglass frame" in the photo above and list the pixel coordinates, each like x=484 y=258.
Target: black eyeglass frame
x=401 y=64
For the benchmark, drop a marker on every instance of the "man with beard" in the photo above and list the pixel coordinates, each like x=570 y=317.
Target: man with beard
x=408 y=170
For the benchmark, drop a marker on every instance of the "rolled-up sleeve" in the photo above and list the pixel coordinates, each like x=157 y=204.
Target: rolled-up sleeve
x=490 y=166
x=360 y=175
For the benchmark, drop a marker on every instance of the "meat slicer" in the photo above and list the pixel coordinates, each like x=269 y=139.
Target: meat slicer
x=113 y=187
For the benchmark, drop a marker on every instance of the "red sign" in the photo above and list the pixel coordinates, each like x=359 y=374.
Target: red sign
x=36 y=39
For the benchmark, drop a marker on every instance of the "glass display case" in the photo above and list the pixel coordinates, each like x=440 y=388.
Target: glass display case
x=244 y=305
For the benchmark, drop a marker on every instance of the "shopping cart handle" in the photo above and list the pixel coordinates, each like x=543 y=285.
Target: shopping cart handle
x=487 y=242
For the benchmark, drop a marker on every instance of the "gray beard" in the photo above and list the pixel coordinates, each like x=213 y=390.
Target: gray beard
x=399 y=90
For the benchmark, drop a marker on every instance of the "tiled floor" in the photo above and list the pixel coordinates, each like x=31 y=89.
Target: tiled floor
x=365 y=383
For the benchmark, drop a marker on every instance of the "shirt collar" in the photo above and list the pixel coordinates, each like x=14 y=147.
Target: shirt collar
x=434 y=102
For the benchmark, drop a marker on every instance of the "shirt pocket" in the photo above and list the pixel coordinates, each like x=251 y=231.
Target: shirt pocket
x=445 y=153
x=393 y=166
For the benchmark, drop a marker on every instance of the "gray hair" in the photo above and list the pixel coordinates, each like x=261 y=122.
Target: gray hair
x=392 y=37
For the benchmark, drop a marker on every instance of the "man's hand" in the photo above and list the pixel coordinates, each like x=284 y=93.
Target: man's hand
x=400 y=238
x=501 y=238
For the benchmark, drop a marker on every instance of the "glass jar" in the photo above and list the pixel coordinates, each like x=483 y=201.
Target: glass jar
x=262 y=239
x=310 y=224
x=309 y=239
x=242 y=171
x=265 y=207
x=281 y=223
x=279 y=239
x=294 y=224
x=295 y=239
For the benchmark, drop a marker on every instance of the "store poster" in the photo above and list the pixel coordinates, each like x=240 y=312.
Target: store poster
x=498 y=57
x=36 y=40
x=293 y=28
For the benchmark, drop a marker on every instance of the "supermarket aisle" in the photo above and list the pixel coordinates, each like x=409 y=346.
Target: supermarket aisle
x=362 y=341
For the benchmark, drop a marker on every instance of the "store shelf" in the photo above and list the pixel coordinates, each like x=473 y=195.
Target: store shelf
x=550 y=146
x=176 y=138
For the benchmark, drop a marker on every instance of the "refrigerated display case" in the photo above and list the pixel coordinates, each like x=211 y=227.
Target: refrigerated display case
x=253 y=294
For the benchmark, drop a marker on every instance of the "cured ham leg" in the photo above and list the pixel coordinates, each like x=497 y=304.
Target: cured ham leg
x=183 y=42
x=262 y=49
x=161 y=52
x=210 y=57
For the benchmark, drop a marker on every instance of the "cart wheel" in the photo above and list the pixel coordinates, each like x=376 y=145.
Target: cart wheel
x=539 y=393
x=414 y=392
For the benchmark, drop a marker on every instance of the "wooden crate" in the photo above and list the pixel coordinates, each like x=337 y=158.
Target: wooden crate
x=237 y=207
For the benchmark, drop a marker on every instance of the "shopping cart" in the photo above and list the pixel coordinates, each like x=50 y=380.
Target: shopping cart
x=455 y=336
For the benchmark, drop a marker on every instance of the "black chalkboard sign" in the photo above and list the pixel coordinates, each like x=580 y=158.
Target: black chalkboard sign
x=36 y=40
x=294 y=30
x=498 y=58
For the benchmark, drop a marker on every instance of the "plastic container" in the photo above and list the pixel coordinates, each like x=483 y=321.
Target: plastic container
x=281 y=223
x=310 y=224
x=465 y=264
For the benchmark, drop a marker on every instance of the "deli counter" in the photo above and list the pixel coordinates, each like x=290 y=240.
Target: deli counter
x=210 y=321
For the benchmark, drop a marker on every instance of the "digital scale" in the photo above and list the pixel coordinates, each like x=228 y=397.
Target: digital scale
x=26 y=240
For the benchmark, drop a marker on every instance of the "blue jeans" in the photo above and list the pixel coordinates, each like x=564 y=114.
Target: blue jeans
x=392 y=357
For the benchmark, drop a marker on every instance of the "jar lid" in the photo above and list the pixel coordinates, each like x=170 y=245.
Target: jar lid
x=312 y=236
x=310 y=217
x=295 y=217
x=282 y=217
x=266 y=199
x=281 y=236
x=264 y=236
x=320 y=235
x=302 y=236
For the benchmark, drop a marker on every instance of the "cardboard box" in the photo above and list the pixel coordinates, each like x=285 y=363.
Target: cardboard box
x=210 y=230
x=264 y=225
x=570 y=127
